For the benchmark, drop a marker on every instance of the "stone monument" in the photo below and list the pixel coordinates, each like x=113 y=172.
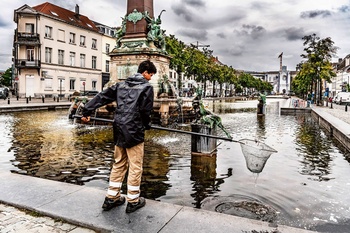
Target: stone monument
x=139 y=38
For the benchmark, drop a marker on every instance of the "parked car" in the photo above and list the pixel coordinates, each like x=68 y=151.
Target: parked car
x=342 y=98
x=89 y=93
x=4 y=92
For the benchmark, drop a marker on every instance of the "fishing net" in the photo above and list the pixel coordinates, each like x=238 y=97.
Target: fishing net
x=256 y=154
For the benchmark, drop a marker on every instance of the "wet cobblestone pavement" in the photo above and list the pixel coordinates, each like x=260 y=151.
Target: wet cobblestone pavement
x=15 y=220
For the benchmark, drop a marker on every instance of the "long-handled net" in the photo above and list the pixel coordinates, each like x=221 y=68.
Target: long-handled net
x=256 y=154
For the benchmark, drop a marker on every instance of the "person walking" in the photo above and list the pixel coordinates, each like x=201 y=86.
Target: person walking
x=134 y=98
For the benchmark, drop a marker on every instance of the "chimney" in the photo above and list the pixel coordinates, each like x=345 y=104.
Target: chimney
x=77 y=10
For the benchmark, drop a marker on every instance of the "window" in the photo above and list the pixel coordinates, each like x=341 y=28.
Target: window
x=29 y=28
x=72 y=38
x=72 y=59
x=48 y=83
x=48 y=32
x=93 y=84
x=30 y=53
x=107 y=48
x=107 y=66
x=72 y=84
x=82 y=60
x=61 y=57
x=93 y=62
x=94 y=42
x=48 y=55
x=61 y=35
x=61 y=84
x=82 y=40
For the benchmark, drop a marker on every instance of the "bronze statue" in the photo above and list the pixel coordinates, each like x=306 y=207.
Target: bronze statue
x=205 y=116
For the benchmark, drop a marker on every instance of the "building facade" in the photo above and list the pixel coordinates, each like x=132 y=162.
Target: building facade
x=56 y=52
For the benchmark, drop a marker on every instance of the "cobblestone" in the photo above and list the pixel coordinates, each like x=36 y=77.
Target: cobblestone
x=338 y=111
x=13 y=220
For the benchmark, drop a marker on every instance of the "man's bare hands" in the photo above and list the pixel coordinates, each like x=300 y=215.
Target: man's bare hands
x=85 y=119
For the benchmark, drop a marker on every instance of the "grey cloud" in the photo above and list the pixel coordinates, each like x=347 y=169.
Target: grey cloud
x=251 y=30
x=294 y=33
x=236 y=51
x=196 y=34
x=3 y=23
x=182 y=12
x=221 y=35
x=344 y=9
x=314 y=14
x=195 y=3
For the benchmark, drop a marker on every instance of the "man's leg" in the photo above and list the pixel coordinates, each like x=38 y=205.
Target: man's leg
x=113 y=197
x=135 y=156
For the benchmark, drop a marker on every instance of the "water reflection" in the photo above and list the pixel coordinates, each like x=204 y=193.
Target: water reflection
x=314 y=147
x=46 y=144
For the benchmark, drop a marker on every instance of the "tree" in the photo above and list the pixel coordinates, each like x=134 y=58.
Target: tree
x=176 y=49
x=317 y=65
x=6 y=79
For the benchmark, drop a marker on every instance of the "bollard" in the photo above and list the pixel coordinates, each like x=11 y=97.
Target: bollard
x=58 y=99
x=346 y=107
x=332 y=104
x=27 y=99
x=43 y=99
x=17 y=97
x=54 y=99
x=8 y=100
x=30 y=98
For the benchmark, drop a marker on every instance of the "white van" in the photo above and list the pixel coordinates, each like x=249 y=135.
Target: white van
x=342 y=98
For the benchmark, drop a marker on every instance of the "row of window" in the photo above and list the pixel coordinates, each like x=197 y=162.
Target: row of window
x=48 y=59
x=182 y=76
x=72 y=84
x=72 y=37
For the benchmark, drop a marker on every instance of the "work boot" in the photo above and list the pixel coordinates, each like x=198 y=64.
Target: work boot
x=109 y=203
x=131 y=207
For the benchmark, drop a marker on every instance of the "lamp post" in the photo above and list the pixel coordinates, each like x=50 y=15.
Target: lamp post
x=60 y=97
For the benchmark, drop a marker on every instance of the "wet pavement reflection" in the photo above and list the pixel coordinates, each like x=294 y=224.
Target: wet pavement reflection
x=305 y=184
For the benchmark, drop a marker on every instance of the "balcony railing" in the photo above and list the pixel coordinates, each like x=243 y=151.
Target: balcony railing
x=28 y=38
x=23 y=63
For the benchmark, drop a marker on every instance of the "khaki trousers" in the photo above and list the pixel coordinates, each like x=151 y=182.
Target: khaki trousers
x=131 y=160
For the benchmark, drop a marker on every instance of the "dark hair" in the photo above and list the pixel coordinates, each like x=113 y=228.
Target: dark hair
x=147 y=66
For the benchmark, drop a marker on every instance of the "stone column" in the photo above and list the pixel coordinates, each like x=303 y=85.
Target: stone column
x=138 y=29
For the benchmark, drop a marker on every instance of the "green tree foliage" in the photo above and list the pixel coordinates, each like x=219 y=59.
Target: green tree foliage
x=203 y=66
x=316 y=67
x=6 y=78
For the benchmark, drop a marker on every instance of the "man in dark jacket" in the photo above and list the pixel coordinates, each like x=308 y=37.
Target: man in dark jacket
x=134 y=99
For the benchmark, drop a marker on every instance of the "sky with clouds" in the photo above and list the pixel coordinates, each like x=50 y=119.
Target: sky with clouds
x=247 y=35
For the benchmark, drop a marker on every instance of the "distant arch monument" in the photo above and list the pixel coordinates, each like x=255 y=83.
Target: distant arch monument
x=140 y=37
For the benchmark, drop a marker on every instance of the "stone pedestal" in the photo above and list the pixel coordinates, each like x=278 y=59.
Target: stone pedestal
x=203 y=145
x=125 y=61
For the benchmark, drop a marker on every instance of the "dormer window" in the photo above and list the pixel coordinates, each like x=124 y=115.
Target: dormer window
x=54 y=13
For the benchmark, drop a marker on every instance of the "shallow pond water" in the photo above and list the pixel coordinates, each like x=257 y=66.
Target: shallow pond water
x=305 y=184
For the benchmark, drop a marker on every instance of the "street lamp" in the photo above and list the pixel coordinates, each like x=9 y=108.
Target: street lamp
x=60 y=89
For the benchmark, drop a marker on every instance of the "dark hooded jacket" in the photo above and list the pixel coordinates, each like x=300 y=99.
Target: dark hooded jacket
x=134 y=99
